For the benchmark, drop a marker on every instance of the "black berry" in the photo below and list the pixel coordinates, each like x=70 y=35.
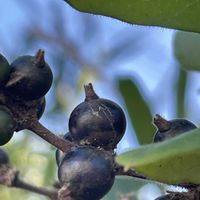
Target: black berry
x=88 y=173
x=7 y=125
x=4 y=159
x=165 y=197
x=59 y=153
x=97 y=122
x=4 y=70
x=30 y=78
x=168 y=129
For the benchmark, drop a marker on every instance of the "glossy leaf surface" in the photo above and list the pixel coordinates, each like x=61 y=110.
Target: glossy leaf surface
x=179 y=14
x=174 y=161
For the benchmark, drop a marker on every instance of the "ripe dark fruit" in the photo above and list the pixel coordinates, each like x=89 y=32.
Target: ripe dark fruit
x=165 y=197
x=168 y=129
x=88 y=173
x=7 y=125
x=30 y=78
x=97 y=122
x=59 y=153
x=41 y=107
x=4 y=70
x=4 y=159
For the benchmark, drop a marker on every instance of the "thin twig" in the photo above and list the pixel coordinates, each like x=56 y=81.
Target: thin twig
x=10 y=177
x=119 y=170
x=43 y=132
x=51 y=193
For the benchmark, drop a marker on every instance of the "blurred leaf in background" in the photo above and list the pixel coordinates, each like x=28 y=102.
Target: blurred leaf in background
x=138 y=110
x=181 y=93
x=187 y=48
x=186 y=51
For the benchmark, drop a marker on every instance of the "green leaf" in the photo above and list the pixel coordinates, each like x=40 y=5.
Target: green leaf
x=179 y=14
x=174 y=161
x=181 y=90
x=138 y=110
x=124 y=186
x=186 y=50
x=50 y=168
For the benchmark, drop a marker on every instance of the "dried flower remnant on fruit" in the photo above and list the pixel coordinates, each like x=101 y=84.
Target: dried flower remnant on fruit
x=39 y=58
x=161 y=123
x=170 y=128
x=90 y=93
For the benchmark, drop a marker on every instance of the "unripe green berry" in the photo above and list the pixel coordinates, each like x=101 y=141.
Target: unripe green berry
x=7 y=125
x=4 y=70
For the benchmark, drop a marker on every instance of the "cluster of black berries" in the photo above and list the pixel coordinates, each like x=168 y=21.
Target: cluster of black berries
x=27 y=79
x=95 y=127
x=86 y=167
